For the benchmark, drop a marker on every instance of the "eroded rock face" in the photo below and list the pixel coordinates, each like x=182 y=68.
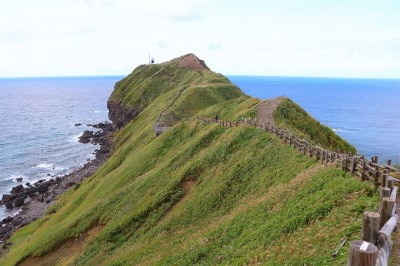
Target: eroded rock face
x=191 y=61
x=119 y=114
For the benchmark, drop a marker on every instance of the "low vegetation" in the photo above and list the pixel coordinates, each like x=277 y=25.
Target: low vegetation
x=290 y=116
x=201 y=193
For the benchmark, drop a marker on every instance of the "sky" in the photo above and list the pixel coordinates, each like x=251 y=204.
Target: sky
x=238 y=37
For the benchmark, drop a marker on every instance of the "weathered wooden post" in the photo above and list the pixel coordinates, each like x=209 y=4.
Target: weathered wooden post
x=363 y=168
x=384 y=193
x=384 y=242
x=390 y=183
x=345 y=168
x=362 y=253
x=353 y=165
x=376 y=175
x=385 y=211
x=370 y=227
x=384 y=178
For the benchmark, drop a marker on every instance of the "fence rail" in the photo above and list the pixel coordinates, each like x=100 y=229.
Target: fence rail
x=376 y=245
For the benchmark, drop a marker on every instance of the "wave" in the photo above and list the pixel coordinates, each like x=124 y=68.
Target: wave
x=99 y=111
x=75 y=138
x=44 y=165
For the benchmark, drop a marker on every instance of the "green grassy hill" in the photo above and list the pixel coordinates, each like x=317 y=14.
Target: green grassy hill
x=199 y=193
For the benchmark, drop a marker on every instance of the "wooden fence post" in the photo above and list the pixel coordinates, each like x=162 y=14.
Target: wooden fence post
x=353 y=166
x=370 y=227
x=376 y=174
x=384 y=178
x=384 y=193
x=362 y=254
x=363 y=169
x=390 y=183
x=385 y=211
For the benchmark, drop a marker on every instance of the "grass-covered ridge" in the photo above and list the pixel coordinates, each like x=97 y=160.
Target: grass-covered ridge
x=202 y=194
x=291 y=116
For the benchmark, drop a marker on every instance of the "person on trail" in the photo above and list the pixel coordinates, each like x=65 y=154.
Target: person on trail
x=216 y=117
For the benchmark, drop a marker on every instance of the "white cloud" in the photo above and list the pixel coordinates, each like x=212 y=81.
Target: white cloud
x=87 y=37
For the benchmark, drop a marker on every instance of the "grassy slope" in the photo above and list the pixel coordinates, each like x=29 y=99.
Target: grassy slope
x=292 y=117
x=203 y=194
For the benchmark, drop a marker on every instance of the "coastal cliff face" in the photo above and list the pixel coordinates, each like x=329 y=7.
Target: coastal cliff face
x=199 y=193
x=120 y=114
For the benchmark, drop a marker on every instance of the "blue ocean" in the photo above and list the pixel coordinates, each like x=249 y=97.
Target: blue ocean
x=365 y=112
x=38 y=136
x=39 y=139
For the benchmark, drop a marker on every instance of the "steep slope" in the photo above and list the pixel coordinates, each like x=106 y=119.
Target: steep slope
x=186 y=75
x=199 y=193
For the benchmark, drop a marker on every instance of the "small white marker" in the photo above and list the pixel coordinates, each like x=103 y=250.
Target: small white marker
x=364 y=246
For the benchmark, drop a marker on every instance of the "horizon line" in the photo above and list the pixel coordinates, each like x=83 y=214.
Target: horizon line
x=238 y=75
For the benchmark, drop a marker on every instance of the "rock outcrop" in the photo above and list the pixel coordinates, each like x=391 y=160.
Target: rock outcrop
x=120 y=114
x=190 y=61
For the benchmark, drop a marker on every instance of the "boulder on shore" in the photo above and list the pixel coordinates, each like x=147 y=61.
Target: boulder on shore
x=86 y=136
x=18 y=179
x=19 y=201
x=17 y=189
x=6 y=198
x=9 y=205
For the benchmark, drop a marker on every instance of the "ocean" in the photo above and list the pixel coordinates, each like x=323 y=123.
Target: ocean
x=365 y=112
x=39 y=139
x=38 y=136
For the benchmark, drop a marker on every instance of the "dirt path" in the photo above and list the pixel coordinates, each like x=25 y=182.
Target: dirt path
x=396 y=238
x=266 y=110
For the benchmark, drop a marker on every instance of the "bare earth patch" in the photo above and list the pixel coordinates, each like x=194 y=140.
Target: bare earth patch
x=266 y=110
x=67 y=252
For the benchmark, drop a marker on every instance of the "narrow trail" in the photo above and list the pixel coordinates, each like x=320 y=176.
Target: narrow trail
x=396 y=238
x=266 y=110
x=172 y=103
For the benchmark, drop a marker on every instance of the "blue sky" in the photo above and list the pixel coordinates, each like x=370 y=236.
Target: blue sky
x=274 y=38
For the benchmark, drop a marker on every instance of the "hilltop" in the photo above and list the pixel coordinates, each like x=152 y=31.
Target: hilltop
x=200 y=193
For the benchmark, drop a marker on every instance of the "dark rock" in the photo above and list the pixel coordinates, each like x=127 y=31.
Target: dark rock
x=70 y=184
x=18 y=179
x=6 y=198
x=78 y=124
x=28 y=184
x=86 y=136
x=15 y=190
x=7 y=220
x=42 y=189
x=48 y=174
x=48 y=201
x=19 y=202
x=9 y=205
x=121 y=115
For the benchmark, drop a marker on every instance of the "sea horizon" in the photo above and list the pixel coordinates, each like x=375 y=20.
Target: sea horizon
x=226 y=75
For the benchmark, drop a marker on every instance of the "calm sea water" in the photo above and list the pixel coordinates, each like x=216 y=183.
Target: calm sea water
x=365 y=112
x=38 y=136
x=37 y=133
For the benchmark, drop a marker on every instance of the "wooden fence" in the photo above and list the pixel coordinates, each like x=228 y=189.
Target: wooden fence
x=376 y=245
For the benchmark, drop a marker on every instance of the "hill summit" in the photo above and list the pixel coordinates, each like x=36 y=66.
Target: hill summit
x=191 y=61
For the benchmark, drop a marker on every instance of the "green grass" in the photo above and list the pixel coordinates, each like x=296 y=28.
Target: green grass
x=201 y=193
x=290 y=116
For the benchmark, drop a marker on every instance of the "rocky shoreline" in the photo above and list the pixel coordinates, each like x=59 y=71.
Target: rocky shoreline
x=34 y=199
